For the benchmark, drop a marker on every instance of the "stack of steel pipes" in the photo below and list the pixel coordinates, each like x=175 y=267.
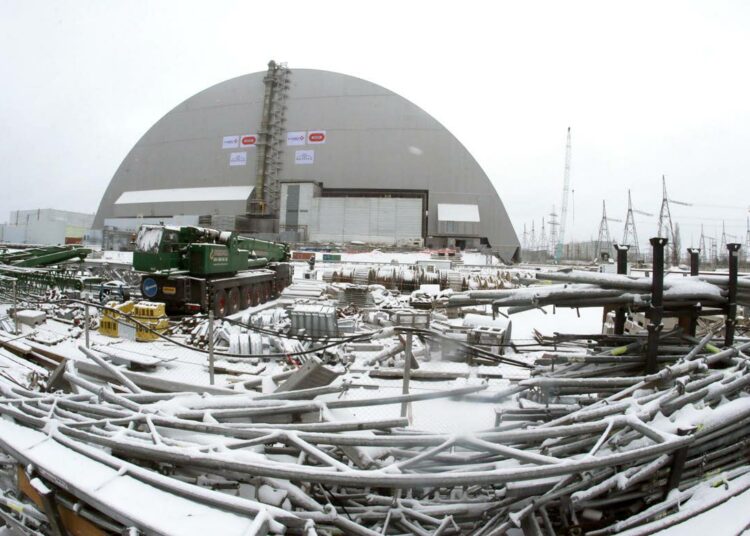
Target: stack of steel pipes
x=582 y=448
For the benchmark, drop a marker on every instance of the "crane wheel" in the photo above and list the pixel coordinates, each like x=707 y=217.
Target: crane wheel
x=246 y=296
x=233 y=300
x=220 y=303
x=266 y=290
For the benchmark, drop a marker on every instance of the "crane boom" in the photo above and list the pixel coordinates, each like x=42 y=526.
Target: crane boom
x=564 y=212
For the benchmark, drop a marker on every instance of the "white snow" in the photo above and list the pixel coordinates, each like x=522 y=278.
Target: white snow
x=159 y=510
x=729 y=517
x=148 y=239
x=689 y=285
x=562 y=320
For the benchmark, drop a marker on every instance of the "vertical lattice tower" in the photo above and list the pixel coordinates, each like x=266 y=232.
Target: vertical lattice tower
x=270 y=144
x=666 y=229
x=630 y=235
x=558 y=245
x=554 y=226
x=604 y=240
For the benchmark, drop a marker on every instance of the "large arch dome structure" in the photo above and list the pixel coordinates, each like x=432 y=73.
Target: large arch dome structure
x=322 y=155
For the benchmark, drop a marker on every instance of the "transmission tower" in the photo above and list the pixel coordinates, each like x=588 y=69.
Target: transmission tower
x=553 y=231
x=630 y=235
x=747 y=241
x=543 y=244
x=604 y=240
x=723 y=246
x=702 y=246
x=564 y=214
x=665 y=226
x=525 y=240
x=532 y=238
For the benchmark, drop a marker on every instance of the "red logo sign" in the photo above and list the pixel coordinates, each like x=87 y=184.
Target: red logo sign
x=316 y=137
x=249 y=140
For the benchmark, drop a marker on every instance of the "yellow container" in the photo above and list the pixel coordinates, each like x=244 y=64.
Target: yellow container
x=110 y=322
x=151 y=315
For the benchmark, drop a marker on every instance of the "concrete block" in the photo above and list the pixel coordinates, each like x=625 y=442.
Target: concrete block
x=31 y=317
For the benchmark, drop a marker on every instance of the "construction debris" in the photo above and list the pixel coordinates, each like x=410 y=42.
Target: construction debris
x=320 y=415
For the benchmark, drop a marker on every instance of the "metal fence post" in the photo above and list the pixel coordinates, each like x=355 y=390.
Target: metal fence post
x=677 y=466
x=656 y=313
x=695 y=264
x=622 y=268
x=15 y=306
x=211 y=347
x=733 y=250
x=86 y=321
x=407 y=371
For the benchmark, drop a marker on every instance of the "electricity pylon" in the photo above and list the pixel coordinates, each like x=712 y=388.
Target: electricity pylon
x=604 y=239
x=630 y=235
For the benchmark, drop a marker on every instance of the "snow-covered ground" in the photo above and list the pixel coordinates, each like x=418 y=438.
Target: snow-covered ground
x=729 y=517
x=374 y=256
x=587 y=320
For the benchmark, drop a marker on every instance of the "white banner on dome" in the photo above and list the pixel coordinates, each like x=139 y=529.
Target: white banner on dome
x=304 y=157
x=230 y=142
x=315 y=137
x=248 y=140
x=296 y=138
x=238 y=159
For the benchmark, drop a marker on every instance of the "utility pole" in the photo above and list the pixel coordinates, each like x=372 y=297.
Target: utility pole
x=211 y=347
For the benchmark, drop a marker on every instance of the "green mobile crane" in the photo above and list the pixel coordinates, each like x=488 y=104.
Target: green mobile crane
x=194 y=269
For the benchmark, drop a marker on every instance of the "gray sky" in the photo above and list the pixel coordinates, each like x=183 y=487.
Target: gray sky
x=649 y=88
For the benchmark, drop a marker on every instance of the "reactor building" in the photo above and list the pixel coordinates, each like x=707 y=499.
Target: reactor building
x=311 y=156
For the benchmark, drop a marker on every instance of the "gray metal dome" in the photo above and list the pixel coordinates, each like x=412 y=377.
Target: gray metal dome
x=375 y=140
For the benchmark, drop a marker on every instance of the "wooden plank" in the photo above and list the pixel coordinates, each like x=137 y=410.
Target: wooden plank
x=74 y=524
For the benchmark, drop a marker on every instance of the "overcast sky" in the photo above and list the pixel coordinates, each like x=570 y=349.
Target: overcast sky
x=649 y=88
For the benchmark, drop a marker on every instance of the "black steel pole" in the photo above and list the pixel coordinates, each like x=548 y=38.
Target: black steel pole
x=734 y=257
x=657 y=304
x=622 y=268
x=695 y=263
x=695 y=260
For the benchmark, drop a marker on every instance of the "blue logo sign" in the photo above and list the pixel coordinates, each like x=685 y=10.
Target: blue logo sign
x=149 y=287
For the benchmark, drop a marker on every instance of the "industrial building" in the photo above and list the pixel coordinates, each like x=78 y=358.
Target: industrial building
x=309 y=156
x=45 y=226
